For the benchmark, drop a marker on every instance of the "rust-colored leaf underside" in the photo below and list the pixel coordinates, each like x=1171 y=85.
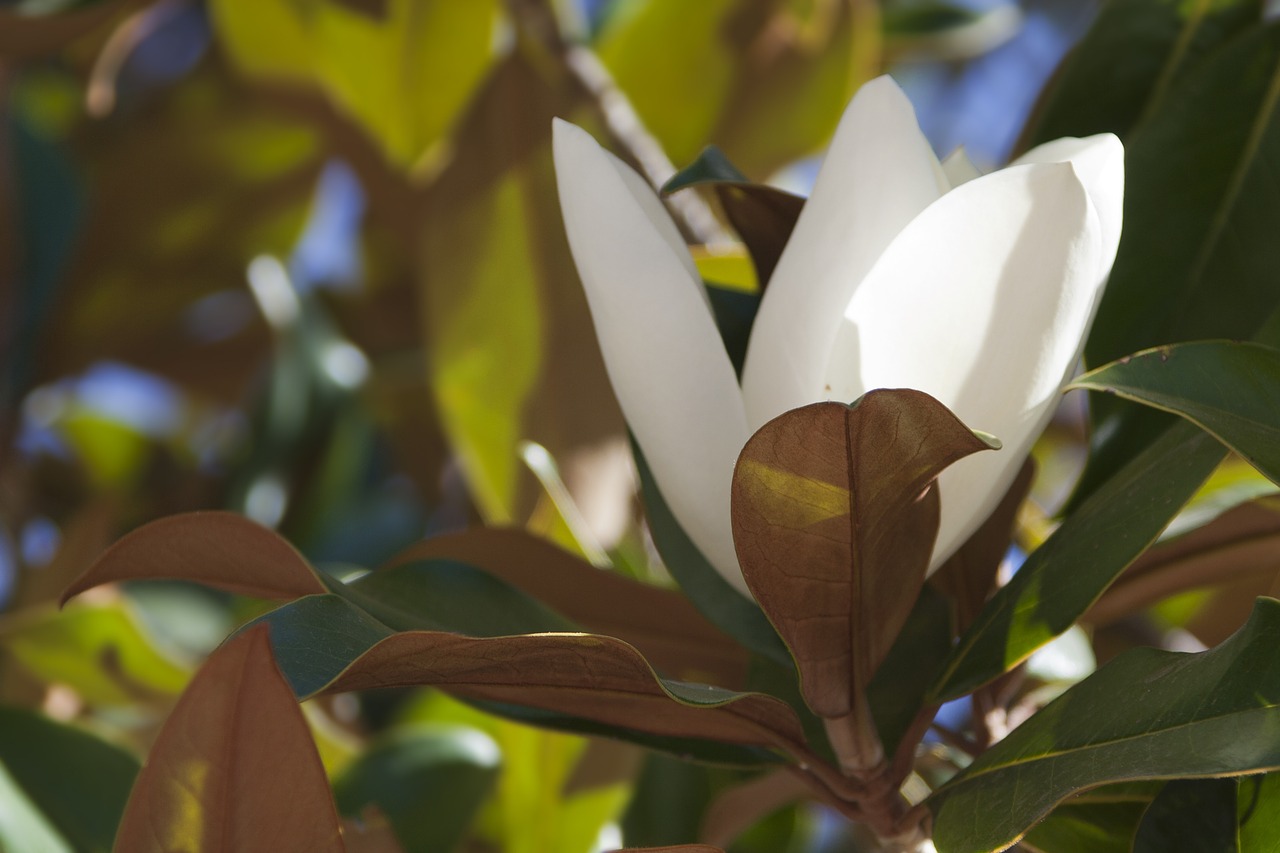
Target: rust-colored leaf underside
x=234 y=767
x=834 y=521
x=218 y=549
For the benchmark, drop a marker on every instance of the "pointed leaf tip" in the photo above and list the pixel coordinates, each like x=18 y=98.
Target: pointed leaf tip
x=834 y=521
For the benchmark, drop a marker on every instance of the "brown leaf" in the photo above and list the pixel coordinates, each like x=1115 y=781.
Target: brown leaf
x=834 y=523
x=969 y=577
x=596 y=678
x=661 y=623
x=763 y=216
x=1241 y=544
x=218 y=549
x=234 y=767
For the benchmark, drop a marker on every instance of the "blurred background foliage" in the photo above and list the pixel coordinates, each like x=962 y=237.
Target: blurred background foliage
x=303 y=259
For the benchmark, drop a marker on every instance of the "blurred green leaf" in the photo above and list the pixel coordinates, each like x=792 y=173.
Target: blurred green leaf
x=544 y=798
x=22 y=827
x=49 y=209
x=79 y=782
x=375 y=69
x=511 y=354
x=772 y=78
x=101 y=652
x=667 y=807
x=1148 y=714
x=1064 y=576
x=429 y=781
x=1231 y=390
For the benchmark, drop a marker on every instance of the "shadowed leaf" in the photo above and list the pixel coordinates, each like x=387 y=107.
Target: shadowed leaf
x=234 y=767
x=218 y=549
x=763 y=216
x=969 y=577
x=428 y=781
x=660 y=623
x=1241 y=542
x=834 y=523
x=77 y=780
x=1062 y=578
x=1148 y=714
x=577 y=682
x=1231 y=390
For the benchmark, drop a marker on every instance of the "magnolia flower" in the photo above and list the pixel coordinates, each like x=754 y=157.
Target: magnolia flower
x=902 y=272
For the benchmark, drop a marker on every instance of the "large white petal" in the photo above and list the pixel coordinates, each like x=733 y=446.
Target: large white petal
x=665 y=360
x=983 y=301
x=879 y=174
x=1099 y=161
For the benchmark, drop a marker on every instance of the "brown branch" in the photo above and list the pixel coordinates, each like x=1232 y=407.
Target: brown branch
x=536 y=19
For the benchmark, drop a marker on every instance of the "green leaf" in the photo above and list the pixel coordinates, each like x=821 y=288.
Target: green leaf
x=79 y=782
x=1123 y=67
x=322 y=641
x=899 y=689
x=763 y=216
x=1258 y=813
x=374 y=69
x=22 y=827
x=1191 y=815
x=100 y=652
x=670 y=799
x=1064 y=576
x=723 y=605
x=1095 y=827
x=1148 y=714
x=429 y=780
x=1231 y=390
x=446 y=595
x=1196 y=263
x=765 y=107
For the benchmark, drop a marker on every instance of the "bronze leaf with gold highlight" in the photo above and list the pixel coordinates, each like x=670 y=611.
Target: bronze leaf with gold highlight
x=234 y=767
x=834 y=521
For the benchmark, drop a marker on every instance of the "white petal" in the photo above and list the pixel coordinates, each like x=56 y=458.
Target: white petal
x=959 y=169
x=668 y=368
x=879 y=174
x=983 y=301
x=1099 y=161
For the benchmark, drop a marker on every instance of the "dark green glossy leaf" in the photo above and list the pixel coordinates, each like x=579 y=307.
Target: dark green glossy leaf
x=79 y=782
x=735 y=313
x=1064 y=576
x=711 y=166
x=710 y=593
x=429 y=781
x=1148 y=714
x=1095 y=827
x=1196 y=263
x=447 y=595
x=1126 y=61
x=668 y=804
x=1191 y=815
x=763 y=216
x=898 y=690
x=319 y=638
x=1231 y=390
